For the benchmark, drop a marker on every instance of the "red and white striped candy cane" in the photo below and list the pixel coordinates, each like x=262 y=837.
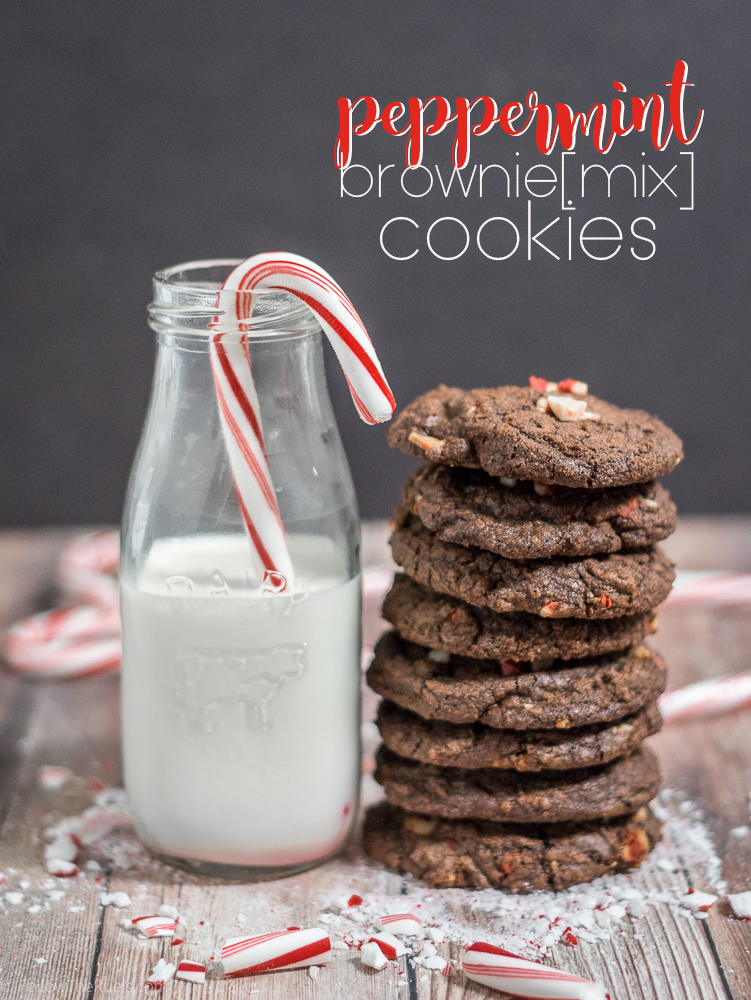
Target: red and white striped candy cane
x=74 y=641
x=710 y=697
x=238 y=401
x=502 y=970
x=280 y=950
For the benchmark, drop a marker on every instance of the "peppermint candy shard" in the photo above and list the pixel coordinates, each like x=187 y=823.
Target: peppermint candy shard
x=404 y=924
x=248 y=956
x=372 y=956
x=390 y=946
x=502 y=970
x=153 y=926
x=162 y=972
x=191 y=972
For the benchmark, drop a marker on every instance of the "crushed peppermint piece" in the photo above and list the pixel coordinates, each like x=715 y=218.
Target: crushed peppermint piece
x=697 y=900
x=52 y=778
x=339 y=945
x=313 y=971
x=119 y=899
x=741 y=904
x=61 y=868
x=154 y=926
x=165 y=910
x=740 y=831
x=573 y=387
x=567 y=407
x=434 y=962
x=40 y=961
x=372 y=956
x=436 y=935
x=63 y=847
x=191 y=972
x=439 y=655
x=391 y=946
x=355 y=900
x=667 y=865
x=162 y=972
x=425 y=441
x=14 y=898
x=403 y=924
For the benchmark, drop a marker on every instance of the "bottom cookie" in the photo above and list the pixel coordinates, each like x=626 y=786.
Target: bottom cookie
x=516 y=858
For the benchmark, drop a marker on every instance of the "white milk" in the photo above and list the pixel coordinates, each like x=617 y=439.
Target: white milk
x=241 y=717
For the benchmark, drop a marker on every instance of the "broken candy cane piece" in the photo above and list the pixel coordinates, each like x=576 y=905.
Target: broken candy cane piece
x=436 y=963
x=247 y=956
x=549 y=609
x=165 y=910
x=161 y=973
x=390 y=946
x=538 y=384
x=61 y=868
x=502 y=970
x=542 y=405
x=741 y=904
x=404 y=924
x=573 y=387
x=697 y=900
x=119 y=899
x=355 y=900
x=63 y=846
x=152 y=926
x=191 y=972
x=372 y=956
x=313 y=971
x=567 y=408
x=447 y=970
x=436 y=935
x=52 y=778
x=425 y=441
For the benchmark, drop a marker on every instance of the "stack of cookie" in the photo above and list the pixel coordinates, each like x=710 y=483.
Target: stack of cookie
x=517 y=689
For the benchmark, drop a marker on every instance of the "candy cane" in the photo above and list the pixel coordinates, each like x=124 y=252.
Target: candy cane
x=710 y=697
x=74 y=641
x=281 y=950
x=502 y=970
x=238 y=402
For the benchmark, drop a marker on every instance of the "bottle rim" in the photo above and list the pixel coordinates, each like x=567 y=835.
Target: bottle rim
x=186 y=301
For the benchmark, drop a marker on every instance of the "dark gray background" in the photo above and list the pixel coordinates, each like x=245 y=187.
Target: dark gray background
x=135 y=136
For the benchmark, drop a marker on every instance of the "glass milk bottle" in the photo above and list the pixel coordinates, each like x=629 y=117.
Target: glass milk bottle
x=240 y=706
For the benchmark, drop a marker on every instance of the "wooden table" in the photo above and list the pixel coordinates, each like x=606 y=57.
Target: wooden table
x=86 y=954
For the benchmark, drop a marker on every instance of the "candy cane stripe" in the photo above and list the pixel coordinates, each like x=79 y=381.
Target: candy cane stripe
x=237 y=389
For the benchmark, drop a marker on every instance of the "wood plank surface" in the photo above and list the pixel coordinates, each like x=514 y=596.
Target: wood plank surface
x=87 y=954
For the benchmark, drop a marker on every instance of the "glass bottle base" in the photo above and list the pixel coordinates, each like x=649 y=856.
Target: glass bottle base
x=237 y=873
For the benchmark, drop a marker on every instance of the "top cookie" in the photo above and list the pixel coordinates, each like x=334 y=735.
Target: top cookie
x=503 y=431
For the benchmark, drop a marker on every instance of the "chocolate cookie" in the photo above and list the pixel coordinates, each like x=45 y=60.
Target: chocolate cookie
x=563 y=695
x=502 y=431
x=446 y=744
x=603 y=586
x=613 y=789
x=469 y=507
x=447 y=623
x=482 y=855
